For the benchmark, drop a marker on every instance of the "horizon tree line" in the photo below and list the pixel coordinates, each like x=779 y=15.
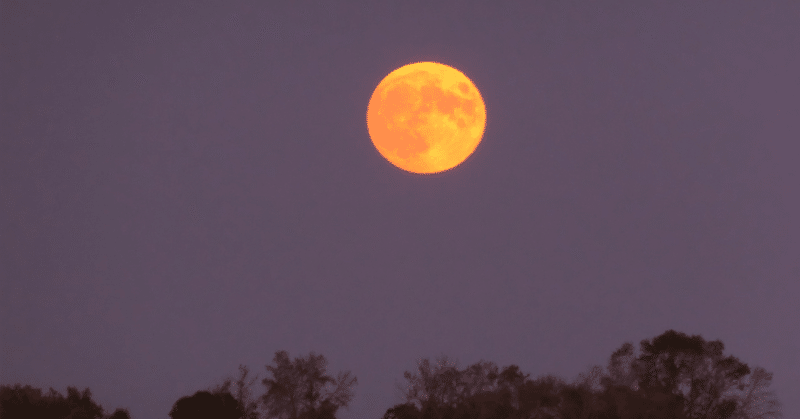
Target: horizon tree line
x=674 y=376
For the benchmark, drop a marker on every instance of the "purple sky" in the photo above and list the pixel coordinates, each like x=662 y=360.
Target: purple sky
x=185 y=187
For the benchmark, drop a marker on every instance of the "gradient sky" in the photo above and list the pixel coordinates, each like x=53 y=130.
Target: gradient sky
x=188 y=186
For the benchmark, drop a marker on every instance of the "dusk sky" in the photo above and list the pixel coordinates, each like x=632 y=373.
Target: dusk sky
x=186 y=186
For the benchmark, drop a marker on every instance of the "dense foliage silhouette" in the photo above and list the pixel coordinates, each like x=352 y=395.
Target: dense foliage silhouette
x=26 y=402
x=295 y=389
x=206 y=405
x=674 y=376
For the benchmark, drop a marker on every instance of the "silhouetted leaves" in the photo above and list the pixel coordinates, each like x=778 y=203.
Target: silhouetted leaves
x=753 y=400
x=18 y=402
x=622 y=368
x=434 y=388
x=242 y=392
x=479 y=391
x=295 y=389
x=676 y=377
x=693 y=368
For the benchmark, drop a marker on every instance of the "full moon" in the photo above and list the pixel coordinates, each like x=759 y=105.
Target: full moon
x=426 y=117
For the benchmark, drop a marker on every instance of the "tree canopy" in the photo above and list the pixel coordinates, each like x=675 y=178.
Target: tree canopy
x=242 y=392
x=704 y=382
x=206 y=405
x=295 y=389
x=479 y=391
x=25 y=402
x=676 y=376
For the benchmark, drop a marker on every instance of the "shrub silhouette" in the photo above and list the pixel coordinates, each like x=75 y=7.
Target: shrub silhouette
x=205 y=405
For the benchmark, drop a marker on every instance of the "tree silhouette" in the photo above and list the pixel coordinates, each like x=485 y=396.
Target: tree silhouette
x=81 y=405
x=435 y=388
x=480 y=391
x=120 y=414
x=24 y=402
x=678 y=375
x=295 y=389
x=622 y=368
x=541 y=398
x=577 y=402
x=242 y=392
x=206 y=405
x=620 y=402
x=694 y=369
x=754 y=401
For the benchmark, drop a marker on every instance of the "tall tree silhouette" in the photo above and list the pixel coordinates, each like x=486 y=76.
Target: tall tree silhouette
x=435 y=389
x=295 y=390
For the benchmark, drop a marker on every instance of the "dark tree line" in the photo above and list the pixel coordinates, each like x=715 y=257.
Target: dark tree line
x=18 y=402
x=675 y=376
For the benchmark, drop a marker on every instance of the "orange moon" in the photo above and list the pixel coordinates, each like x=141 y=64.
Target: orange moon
x=426 y=117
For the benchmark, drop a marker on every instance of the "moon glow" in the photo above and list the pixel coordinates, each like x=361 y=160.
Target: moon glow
x=426 y=117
